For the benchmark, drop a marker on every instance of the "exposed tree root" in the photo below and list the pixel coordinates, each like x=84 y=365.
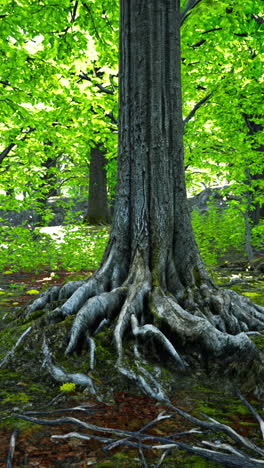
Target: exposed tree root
x=10 y=353
x=61 y=376
x=212 y=321
x=248 y=454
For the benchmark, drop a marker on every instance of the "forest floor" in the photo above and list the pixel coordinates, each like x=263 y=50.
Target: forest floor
x=123 y=406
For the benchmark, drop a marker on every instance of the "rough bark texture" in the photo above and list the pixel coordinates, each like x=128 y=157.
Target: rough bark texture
x=98 y=211
x=151 y=282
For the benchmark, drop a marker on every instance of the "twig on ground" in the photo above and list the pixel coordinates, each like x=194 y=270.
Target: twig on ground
x=219 y=452
x=253 y=411
x=12 y=448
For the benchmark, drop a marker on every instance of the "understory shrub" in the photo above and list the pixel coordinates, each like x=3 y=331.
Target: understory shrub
x=72 y=248
x=218 y=232
x=80 y=247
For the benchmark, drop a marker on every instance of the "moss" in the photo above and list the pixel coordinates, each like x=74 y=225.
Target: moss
x=9 y=337
x=259 y=341
x=15 y=422
x=197 y=277
x=68 y=387
x=36 y=314
x=256 y=297
x=155 y=270
x=20 y=397
x=120 y=460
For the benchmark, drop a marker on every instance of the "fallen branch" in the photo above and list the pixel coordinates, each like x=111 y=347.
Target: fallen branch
x=12 y=448
x=253 y=411
x=219 y=452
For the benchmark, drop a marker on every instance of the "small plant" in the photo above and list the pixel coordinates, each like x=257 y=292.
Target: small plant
x=68 y=387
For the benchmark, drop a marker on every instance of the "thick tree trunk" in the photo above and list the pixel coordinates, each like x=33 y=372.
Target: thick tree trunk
x=98 y=211
x=151 y=182
x=151 y=279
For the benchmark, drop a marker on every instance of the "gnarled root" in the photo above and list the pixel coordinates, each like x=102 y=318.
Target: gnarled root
x=214 y=322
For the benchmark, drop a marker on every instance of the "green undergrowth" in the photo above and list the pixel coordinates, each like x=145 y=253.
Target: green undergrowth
x=221 y=232
x=77 y=247
x=257 y=297
x=259 y=341
x=72 y=248
x=129 y=459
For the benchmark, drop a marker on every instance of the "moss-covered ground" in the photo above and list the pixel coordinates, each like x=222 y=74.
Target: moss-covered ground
x=26 y=386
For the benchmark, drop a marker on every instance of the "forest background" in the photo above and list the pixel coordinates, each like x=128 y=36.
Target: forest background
x=59 y=92
x=59 y=130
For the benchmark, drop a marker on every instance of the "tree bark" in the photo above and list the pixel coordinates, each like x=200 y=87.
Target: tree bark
x=257 y=213
x=98 y=211
x=152 y=146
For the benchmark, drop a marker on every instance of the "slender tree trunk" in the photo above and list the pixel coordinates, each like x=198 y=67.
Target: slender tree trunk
x=257 y=209
x=98 y=211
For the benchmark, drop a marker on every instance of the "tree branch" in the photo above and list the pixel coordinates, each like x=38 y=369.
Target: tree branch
x=212 y=30
x=196 y=107
x=7 y=150
x=73 y=14
x=84 y=76
x=112 y=117
x=87 y=8
x=198 y=44
x=189 y=6
x=258 y=19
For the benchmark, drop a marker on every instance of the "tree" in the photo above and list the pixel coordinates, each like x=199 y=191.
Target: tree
x=151 y=279
x=54 y=45
x=221 y=56
x=97 y=211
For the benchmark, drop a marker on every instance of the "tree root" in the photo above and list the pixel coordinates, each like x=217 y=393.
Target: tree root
x=12 y=446
x=61 y=376
x=10 y=353
x=221 y=451
x=214 y=322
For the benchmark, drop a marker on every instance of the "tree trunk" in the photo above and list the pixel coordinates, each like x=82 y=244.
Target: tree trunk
x=97 y=212
x=256 y=213
x=151 y=279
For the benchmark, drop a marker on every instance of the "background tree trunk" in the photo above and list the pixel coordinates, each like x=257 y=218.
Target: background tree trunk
x=98 y=211
x=257 y=213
